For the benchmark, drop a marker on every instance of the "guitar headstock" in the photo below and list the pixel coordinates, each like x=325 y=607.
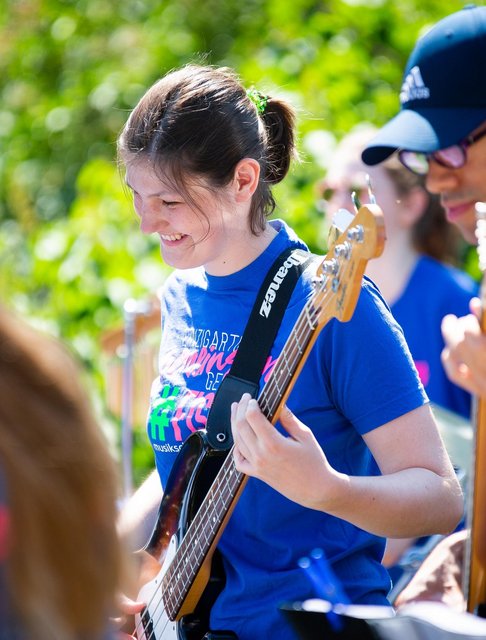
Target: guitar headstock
x=338 y=281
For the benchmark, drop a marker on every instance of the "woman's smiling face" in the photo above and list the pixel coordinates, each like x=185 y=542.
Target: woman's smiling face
x=194 y=227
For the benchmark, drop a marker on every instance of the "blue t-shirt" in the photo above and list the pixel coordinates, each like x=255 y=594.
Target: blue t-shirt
x=358 y=376
x=434 y=290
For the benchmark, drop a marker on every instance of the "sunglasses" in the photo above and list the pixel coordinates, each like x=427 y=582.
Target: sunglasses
x=453 y=157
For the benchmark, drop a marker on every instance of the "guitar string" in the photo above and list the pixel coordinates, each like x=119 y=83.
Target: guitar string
x=231 y=470
x=222 y=479
x=161 y=600
x=270 y=398
x=227 y=470
x=196 y=532
x=163 y=584
x=267 y=396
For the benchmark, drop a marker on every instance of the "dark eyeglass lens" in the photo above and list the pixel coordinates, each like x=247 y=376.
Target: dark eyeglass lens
x=452 y=157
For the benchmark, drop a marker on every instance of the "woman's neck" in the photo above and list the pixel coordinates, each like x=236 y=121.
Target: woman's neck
x=392 y=270
x=244 y=251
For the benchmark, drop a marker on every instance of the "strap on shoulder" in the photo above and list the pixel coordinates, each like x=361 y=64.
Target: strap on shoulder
x=256 y=343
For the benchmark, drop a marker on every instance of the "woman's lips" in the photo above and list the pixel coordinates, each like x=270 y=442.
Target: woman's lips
x=172 y=239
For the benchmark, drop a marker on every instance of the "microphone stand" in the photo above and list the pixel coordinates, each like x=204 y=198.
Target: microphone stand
x=131 y=310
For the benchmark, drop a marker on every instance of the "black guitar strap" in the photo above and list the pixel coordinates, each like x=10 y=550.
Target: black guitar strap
x=256 y=342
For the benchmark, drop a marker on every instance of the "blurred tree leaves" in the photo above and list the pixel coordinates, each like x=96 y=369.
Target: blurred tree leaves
x=70 y=71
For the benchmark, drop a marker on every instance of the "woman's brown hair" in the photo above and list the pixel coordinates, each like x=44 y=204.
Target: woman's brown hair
x=65 y=562
x=431 y=234
x=199 y=122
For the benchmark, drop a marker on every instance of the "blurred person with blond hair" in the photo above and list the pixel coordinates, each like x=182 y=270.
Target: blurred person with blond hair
x=417 y=273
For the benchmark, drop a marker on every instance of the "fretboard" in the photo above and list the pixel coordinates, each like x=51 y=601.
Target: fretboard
x=337 y=286
x=223 y=493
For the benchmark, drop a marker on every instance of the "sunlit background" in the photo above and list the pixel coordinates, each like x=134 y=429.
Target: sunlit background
x=70 y=250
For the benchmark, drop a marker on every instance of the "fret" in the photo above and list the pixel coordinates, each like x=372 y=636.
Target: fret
x=264 y=405
x=297 y=344
x=296 y=341
x=186 y=569
x=285 y=363
x=176 y=590
x=310 y=320
x=277 y=386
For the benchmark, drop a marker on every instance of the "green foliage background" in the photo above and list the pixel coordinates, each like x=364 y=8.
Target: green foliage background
x=70 y=71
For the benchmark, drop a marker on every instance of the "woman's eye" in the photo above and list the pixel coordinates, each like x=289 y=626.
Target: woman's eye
x=170 y=203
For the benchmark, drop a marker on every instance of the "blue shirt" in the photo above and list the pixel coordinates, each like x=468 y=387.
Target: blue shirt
x=358 y=376
x=434 y=290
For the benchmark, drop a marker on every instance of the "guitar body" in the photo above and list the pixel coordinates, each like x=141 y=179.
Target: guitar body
x=191 y=476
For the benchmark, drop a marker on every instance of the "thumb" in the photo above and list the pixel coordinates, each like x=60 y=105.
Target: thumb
x=292 y=425
x=129 y=606
x=475 y=307
x=448 y=326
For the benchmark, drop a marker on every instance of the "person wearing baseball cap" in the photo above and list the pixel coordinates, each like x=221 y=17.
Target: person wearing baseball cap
x=440 y=130
x=440 y=133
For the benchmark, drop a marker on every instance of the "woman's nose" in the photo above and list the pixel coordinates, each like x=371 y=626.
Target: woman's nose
x=148 y=217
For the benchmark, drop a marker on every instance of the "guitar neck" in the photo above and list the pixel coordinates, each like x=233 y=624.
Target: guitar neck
x=337 y=287
x=210 y=520
x=475 y=566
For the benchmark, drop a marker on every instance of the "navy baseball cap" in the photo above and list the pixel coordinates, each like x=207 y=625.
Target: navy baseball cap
x=443 y=95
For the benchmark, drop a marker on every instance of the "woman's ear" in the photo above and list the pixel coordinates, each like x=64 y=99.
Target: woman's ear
x=246 y=178
x=414 y=206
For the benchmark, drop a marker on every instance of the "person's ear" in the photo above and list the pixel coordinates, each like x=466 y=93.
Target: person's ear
x=413 y=207
x=246 y=178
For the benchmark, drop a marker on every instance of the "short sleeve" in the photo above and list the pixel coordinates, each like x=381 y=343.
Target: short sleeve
x=372 y=375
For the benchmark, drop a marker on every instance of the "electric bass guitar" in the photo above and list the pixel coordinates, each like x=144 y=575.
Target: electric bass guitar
x=475 y=562
x=204 y=484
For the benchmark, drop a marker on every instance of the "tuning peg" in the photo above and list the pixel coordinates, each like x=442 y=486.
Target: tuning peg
x=356 y=201
x=356 y=233
x=371 y=195
x=330 y=267
x=343 y=250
